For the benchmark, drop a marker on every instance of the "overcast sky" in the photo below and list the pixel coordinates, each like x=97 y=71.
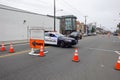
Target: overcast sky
x=103 y=12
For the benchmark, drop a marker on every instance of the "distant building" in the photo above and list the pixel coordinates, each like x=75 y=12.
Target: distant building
x=80 y=27
x=67 y=24
x=83 y=28
x=99 y=30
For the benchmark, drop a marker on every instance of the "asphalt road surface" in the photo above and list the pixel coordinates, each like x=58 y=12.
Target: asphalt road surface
x=96 y=54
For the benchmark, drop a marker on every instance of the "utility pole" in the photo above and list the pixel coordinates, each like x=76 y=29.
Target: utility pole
x=54 y=15
x=100 y=26
x=85 y=23
x=85 y=19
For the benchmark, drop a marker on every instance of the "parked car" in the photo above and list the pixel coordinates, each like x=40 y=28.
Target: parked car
x=58 y=39
x=89 y=34
x=115 y=34
x=76 y=35
x=94 y=34
x=84 y=35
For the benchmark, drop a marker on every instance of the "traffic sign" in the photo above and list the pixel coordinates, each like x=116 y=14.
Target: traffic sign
x=36 y=43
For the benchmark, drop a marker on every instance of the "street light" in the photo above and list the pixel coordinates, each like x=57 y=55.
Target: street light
x=54 y=15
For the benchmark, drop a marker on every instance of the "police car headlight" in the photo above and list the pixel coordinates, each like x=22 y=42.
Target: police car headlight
x=68 y=40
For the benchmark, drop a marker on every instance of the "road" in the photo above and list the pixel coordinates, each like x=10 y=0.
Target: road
x=96 y=54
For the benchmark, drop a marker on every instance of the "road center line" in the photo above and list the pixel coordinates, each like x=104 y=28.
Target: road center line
x=16 y=53
x=11 y=54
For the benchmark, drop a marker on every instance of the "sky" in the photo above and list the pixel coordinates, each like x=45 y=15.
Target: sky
x=106 y=13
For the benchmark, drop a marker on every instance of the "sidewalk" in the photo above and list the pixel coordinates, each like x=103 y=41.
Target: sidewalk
x=14 y=42
x=119 y=37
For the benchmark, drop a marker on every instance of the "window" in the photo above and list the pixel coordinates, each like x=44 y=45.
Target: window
x=52 y=35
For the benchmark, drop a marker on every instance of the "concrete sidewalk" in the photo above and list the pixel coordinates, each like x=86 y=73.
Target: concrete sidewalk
x=119 y=37
x=14 y=42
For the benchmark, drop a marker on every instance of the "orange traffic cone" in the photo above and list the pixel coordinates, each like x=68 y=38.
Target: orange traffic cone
x=42 y=52
x=76 y=57
x=3 y=48
x=118 y=64
x=11 y=48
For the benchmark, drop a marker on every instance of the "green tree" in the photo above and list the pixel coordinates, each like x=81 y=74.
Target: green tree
x=93 y=30
x=118 y=26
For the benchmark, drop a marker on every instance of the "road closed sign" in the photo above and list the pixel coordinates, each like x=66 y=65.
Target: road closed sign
x=36 y=43
x=36 y=37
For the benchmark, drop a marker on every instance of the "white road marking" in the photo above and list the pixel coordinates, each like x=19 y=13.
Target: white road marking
x=115 y=41
x=117 y=52
x=101 y=49
x=34 y=54
x=102 y=65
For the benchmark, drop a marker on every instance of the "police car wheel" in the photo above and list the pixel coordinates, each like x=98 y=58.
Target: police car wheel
x=62 y=44
x=80 y=37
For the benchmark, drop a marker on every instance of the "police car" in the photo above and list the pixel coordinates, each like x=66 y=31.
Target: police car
x=58 y=39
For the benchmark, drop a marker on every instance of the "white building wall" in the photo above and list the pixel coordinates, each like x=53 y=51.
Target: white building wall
x=13 y=24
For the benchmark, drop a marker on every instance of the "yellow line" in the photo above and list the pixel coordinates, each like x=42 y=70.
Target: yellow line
x=11 y=54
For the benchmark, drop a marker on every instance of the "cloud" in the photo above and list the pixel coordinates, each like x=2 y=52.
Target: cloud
x=103 y=12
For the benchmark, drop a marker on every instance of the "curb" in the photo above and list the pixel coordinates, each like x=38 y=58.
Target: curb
x=6 y=43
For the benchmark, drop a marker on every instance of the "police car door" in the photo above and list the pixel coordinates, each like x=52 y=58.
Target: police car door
x=51 y=39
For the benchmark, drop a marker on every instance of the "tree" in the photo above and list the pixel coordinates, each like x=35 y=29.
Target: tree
x=118 y=26
x=93 y=30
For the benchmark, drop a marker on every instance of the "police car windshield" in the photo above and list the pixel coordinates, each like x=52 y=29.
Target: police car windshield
x=59 y=35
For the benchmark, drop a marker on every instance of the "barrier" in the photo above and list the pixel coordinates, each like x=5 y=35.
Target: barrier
x=3 y=48
x=117 y=67
x=37 y=41
x=11 y=48
x=76 y=57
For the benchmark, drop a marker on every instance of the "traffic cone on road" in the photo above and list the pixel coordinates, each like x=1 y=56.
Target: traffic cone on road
x=11 y=48
x=42 y=51
x=76 y=57
x=3 y=48
x=118 y=64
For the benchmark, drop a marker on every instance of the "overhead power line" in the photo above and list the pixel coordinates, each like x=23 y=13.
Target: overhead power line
x=74 y=9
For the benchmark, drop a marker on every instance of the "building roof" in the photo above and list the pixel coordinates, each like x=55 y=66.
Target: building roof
x=68 y=16
x=5 y=7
